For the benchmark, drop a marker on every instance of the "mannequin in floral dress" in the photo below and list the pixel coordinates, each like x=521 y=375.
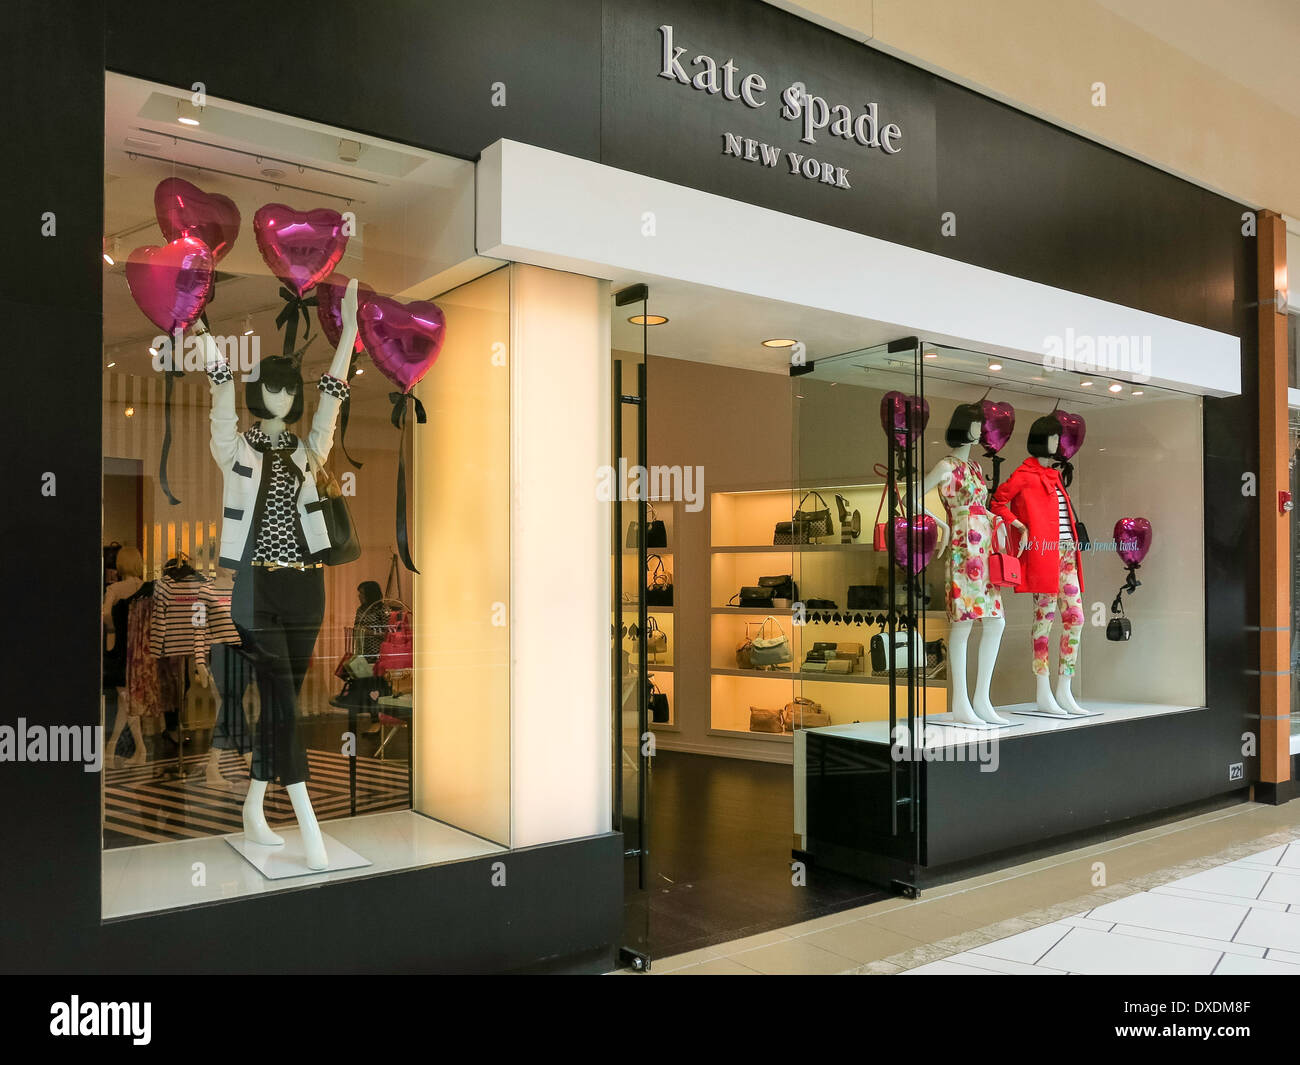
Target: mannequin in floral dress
x=970 y=596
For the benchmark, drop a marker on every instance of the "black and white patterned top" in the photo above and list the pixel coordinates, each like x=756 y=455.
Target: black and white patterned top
x=1063 y=518
x=278 y=535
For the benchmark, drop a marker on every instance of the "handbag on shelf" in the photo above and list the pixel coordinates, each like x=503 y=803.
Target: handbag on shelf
x=812 y=665
x=783 y=587
x=656 y=640
x=656 y=534
x=762 y=720
x=880 y=535
x=659 y=712
x=802 y=712
x=866 y=597
x=1119 y=629
x=1004 y=567
x=659 y=590
x=839 y=665
x=344 y=546
x=395 y=652
x=790 y=532
x=819 y=521
x=753 y=597
x=906 y=649
x=820 y=604
x=770 y=650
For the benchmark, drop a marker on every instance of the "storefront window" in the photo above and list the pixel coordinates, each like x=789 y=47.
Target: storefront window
x=306 y=502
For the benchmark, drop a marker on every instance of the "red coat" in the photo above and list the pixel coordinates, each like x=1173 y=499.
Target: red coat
x=1029 y=496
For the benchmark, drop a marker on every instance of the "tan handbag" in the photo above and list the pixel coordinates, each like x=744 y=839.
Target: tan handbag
x=841 y=665
x=804 y=713
x=762 y=720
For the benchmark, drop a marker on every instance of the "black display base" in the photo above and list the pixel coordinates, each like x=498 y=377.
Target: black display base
x=1276 y=794
x=1049 y=789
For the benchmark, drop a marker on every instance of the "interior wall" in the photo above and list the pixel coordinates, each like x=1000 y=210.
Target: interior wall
x=560 y=547
x=461 y=510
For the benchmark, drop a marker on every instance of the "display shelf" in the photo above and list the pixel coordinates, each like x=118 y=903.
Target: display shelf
x=790 y=549
x=828 y=678
x=745 y=734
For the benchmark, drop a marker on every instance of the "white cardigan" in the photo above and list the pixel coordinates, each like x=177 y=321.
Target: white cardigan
x=241 y=470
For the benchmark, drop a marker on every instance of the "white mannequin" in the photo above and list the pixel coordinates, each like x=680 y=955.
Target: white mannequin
x=1062 y=703
x=964 y=709
x=279 y=403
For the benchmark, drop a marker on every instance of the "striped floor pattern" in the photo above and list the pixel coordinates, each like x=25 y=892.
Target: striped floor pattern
x=142 y=806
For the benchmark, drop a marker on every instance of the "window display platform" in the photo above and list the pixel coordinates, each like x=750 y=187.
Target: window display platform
x=162 y=876
x=904 y=818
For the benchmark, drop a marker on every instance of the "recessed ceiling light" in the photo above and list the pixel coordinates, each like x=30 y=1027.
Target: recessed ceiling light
x=153 y=351
x=647 y=319
x=931 y=355
x=1085 y=384
x=1137 y=392
x=109 y=259
x=780 y=342
x=110 y=365
x=360 y=370
x=1116 y=388
x=187 y=114
x=994 y=365
x=129 y=412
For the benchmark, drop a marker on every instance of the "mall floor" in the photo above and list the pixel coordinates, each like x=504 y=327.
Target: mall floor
x=1215 y=892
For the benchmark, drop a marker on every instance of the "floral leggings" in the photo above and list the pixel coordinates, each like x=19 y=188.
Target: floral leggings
x=1071 y=617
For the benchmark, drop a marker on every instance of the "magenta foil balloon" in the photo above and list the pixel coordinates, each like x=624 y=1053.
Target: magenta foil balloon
x=185 y=210
x=999 y=421
x=902 y=417
x=300 y=247
x=1132 y=540
x=914 y=545
x=171 y=284
x=1073 y=430
x=403 y=339
x=329 y=308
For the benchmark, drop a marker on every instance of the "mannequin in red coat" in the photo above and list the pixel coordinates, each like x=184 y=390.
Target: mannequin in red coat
x=1034 y=502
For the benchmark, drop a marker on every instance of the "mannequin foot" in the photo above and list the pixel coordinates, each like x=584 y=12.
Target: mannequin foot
x=1044 y=700
x=1065 y=698
x=137 y=759
x=317 y=858
x=964 y=712
x=984 y=708
x=212 y=774
x=314 y=845
x=256 y=830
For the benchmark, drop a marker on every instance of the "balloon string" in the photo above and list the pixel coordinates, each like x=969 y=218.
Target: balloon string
x=399 y=401
x=344 y=411
x=167 y=436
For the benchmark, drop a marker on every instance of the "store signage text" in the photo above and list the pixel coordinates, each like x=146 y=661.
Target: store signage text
x=813 y=113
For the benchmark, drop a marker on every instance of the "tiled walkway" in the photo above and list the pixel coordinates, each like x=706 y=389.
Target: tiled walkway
x=1216 y=893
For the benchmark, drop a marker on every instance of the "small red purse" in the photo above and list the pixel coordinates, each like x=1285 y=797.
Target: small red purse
x=1004 y=567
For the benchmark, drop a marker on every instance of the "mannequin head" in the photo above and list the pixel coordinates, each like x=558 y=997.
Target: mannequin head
x=129 y=563
x=1045 y=437
x=965 y=425
x=277 y=392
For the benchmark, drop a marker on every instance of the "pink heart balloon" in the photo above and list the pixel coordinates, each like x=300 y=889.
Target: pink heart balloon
x=403 y=339
x=903 y=416
x=329 y=308
x=1073 y=430
x=999 y=421
x=300 y=247
x=171 y=284
x=914 y=546
x=185 y=210
x=1132 y=540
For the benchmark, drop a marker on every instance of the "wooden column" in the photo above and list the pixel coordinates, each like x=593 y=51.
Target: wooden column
x=1274 y=533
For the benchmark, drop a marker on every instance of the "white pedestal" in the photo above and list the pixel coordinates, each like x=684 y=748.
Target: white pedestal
x=290 y=858
x=1057 y=717
x=977 y=726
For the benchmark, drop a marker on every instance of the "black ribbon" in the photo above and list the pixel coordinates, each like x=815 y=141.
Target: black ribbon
x=400 y=403
x=989 y=453
x=344 y=411
x=168 y=377
x=287 y=319
x=1067 y=471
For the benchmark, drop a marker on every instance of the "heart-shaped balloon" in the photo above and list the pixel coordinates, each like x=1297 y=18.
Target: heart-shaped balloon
x=300 y=247
x=999 y=421
x=914 y=545
x=171 y=284
x=403 y=339
x=903 y=416
x=1132 y=540
x=329 y=308
x=185 y=210
x=1073 y=431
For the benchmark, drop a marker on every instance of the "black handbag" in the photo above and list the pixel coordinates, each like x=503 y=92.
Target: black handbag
x=659 y=589
x=753 y=596
x=659 y=712
x=1081 y=540
x=656 y=534
x=790 y=532
x=1119 y=629
x=821 y=604
x=783 y=587
x=819 y=521
x=866 y=597
x=344 y=546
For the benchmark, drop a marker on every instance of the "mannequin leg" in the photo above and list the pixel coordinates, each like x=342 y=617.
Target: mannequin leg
x=959 y=699
x=256 y=830
x=1044 y=616
x=141 y=755
x=119 y=723
x=1071 y=629
x=991 y=630
x=307 y=824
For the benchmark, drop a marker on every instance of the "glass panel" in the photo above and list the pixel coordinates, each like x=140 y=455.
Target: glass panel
x=264 y=678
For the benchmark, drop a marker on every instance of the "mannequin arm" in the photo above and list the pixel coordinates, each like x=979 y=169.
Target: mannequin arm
x=225 y=421
x=334 y=385
x=347 y=335
x=1000 y=504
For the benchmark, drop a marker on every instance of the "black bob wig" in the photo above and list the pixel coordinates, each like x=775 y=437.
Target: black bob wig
x=959 y=425
x=275 y=372
x=1040 y=432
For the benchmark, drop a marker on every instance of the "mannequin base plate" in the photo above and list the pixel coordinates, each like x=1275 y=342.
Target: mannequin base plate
x=977 y=726
x=279 y=863
x=1053 y=717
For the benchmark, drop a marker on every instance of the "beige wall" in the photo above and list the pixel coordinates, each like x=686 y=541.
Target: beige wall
x=1202 y=88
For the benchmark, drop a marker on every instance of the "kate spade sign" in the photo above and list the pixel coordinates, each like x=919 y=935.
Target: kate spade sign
x=814 y=115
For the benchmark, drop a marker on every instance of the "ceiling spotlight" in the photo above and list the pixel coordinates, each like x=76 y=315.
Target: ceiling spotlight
x=1116 y=388
x=248 y=324
x=1137 y=392
x=360 y=371
x=1085 y=384
x=110 y=250
x=930 y=355
x=153 y=351
x=780 y=342
x=994 y=365
x=187 y=114
x=129 y=412
x=647 y=319
x=110 y=365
